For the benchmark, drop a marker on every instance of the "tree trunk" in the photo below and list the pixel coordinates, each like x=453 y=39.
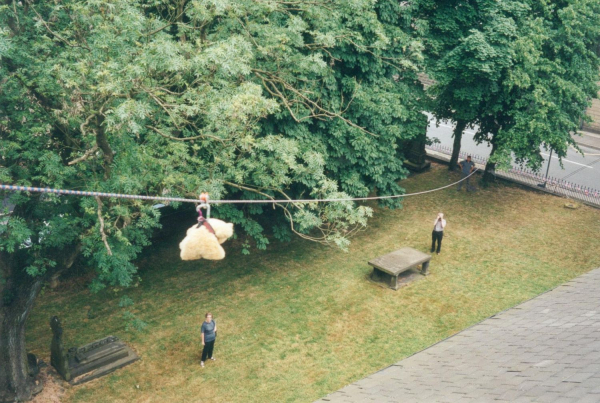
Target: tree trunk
x=458 y=132
x=67 y=261
x=18 y=294
x=181 y=8
x=490 y=168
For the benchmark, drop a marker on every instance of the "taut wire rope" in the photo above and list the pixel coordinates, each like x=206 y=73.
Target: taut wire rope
x=17 y=188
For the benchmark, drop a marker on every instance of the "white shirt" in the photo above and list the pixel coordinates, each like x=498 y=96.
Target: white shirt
x=439 y=225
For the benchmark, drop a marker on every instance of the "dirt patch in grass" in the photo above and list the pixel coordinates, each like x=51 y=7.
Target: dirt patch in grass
x=54 y=387
x=301 y=320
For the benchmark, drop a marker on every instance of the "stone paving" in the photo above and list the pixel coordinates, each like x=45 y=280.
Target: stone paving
x=544 y=350
x=588 y=139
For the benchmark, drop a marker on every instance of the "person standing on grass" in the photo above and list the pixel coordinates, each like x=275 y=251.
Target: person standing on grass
x=209 y=335
x=438 y=233
x=467 y=167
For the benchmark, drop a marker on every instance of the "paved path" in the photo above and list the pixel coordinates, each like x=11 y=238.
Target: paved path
x=544 y=350
x=587 y=139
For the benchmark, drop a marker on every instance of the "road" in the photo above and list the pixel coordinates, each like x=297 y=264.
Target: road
x=583 y=170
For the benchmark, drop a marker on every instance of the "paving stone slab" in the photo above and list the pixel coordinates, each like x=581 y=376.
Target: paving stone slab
x=546 y=349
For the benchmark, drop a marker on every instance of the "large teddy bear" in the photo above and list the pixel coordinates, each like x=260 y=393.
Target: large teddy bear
x=201 y=243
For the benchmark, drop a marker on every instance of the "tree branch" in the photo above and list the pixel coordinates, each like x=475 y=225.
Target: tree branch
x=65 y=41
x=166 y=25
x=101 y=220
x=102 y=143
x=182 y=138
x=325 y=231
x=85 y=156
x=163 y=106
x=309 y=103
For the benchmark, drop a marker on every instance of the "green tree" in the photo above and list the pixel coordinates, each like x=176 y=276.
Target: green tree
x=243 y=99
x=546 y=92
x=468 y=49
x=524 y=72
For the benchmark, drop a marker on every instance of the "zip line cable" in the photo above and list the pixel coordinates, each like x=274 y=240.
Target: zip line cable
x=16 y=188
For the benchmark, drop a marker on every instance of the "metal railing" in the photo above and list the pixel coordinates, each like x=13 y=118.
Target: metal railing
x=531 y=178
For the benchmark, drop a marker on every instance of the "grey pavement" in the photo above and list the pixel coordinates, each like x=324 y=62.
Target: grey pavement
x=587 y=139
x=544 y=350
x=582 y=170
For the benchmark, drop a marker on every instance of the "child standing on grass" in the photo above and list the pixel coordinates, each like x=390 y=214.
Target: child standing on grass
x=209 y=335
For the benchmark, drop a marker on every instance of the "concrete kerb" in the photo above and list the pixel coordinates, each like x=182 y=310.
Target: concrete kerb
x=588 y=139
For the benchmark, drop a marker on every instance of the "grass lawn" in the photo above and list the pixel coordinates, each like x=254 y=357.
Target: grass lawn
x=301 y=320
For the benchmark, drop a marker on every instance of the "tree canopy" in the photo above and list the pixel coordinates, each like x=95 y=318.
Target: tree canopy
x=253 y=99
x=553 y=78
x=523 y=71
x=241 y=99
x=232 y=98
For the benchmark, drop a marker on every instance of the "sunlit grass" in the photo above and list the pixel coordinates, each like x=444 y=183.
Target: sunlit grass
x=301 y=320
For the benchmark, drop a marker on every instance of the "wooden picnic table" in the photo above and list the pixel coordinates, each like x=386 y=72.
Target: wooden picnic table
x=389 y=267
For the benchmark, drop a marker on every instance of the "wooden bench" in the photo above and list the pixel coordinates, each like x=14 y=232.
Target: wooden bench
x=389 y=267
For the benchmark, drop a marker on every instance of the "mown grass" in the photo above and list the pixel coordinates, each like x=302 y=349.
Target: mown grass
x=301 y=320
